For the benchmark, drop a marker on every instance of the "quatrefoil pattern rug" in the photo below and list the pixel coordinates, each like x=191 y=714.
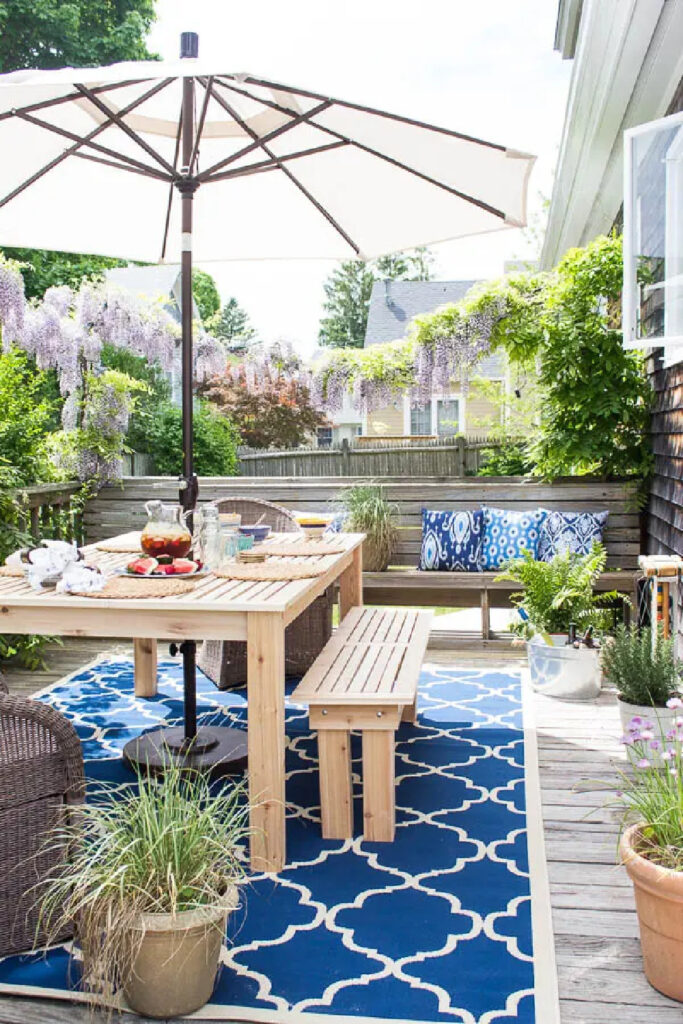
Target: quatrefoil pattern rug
x=435 y=926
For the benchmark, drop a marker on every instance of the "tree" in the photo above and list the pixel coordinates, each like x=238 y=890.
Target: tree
x=73 y=33
x=215 y=441
x=69 y=33
x=206 y=295
x=275 y=412
x=348 y=290
x=233 y=327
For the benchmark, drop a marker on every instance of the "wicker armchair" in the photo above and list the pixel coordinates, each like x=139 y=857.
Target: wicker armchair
x=41 y=776
x=225 y=661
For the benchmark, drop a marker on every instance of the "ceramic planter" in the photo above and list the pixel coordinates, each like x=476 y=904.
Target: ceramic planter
x=560 y=671
x=659 y=902
x=174 y=971
x=664 y=716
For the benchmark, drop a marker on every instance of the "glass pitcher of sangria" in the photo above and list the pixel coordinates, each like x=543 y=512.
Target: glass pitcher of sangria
x=166 y=531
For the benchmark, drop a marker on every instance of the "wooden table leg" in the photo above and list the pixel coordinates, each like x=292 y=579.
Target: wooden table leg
x=145 y=653
x=266 y=739
x=351 y=584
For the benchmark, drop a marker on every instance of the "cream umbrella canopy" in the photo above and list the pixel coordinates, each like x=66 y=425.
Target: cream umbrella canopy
x=180 y=160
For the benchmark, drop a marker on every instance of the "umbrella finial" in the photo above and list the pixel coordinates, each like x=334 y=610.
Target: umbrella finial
x=189 y=44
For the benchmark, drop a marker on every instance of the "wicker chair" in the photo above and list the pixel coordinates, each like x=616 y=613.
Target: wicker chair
x=41 y=777
x=225 y=661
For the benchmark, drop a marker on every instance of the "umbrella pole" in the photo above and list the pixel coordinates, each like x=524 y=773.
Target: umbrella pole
x=216 y=749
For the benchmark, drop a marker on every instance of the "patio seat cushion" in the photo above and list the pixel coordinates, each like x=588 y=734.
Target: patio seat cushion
x=507 y=534
x=569 y=531
x=451 y=540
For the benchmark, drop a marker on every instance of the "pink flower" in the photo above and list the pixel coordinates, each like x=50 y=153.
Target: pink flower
x=627 y=739
x=674 y=702
x=671 y=734
x=668 y=755
x=655 y=744
x=673 y=772
x=643 y=763
x=647 y=734
x=635 y=723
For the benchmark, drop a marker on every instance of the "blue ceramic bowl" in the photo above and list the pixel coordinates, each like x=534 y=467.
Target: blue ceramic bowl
x=258 y=531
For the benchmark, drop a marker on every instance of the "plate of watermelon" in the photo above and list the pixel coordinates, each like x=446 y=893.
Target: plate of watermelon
x=146 y=567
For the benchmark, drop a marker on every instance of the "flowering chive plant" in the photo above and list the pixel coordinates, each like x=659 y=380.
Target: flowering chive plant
x=652 y=793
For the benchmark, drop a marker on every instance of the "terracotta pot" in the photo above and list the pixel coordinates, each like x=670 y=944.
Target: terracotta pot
x=659 y=902
x=174 y=971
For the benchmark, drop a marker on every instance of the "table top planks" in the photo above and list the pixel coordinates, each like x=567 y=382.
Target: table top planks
x=210 y=592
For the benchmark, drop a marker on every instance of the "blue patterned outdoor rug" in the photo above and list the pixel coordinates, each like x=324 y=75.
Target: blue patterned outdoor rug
x=435 y=926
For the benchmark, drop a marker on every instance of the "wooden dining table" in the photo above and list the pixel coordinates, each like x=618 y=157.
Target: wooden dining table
x=256 y=612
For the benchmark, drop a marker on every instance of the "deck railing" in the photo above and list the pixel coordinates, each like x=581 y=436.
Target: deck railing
x=46 y=511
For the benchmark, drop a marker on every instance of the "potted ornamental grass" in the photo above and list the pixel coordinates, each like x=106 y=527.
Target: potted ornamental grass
x=366 y=510
x=643 y=669
x=151 y=878
x=558 y=595
x=651 y=845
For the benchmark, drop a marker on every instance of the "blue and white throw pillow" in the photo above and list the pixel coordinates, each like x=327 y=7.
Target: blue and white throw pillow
x=569 y=531
x=451 y=540
x=507 y=534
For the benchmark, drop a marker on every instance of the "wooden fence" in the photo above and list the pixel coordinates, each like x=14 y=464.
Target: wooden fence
x=439 y=457
x=121 y=507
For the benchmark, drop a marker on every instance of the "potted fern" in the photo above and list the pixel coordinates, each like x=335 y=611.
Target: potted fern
x=367 y=511
x=556 y=594
x=644 y=672
x=151 y=879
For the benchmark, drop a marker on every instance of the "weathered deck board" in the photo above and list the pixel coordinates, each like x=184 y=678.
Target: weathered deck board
x=598 y=953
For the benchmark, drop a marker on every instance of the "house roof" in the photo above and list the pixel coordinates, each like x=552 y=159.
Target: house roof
x=393 y=304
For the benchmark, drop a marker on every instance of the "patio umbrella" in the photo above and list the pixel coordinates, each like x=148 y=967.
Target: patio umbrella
x=131 y=159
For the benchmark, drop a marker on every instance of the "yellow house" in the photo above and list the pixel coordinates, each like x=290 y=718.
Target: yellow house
x=393 y=304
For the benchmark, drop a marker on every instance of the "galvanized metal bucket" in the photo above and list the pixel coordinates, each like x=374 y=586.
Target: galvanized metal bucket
x=561 y=671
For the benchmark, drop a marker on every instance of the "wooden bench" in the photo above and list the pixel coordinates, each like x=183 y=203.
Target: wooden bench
x=365 y=679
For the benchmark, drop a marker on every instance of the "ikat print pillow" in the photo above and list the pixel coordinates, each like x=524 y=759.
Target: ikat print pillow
x=507 y=534
x=451 y=540
x=569 y=531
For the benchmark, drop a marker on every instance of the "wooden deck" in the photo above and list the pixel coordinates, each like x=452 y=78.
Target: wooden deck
x=597 y=950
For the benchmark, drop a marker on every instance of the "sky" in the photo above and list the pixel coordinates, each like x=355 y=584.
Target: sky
x=486 y=68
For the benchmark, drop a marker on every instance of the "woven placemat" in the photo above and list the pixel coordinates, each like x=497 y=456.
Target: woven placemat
x=270 y=571
x=120 y=588
x=303 y=548
x=128 y=543
x=11 y=570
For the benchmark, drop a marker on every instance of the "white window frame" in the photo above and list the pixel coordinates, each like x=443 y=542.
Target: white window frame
x=435 y=399
x=630 y=298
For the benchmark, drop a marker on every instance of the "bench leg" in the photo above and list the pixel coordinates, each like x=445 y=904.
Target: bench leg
x=145 y=655
x=409 y=713
x=485 y=615
x=379 y=814
x=336 y=799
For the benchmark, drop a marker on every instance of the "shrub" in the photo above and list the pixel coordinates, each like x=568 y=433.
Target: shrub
x=641 y=675
x=558 y=592
x=511 y=458
x=215 y=441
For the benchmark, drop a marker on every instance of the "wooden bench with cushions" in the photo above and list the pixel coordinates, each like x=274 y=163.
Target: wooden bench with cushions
x=365 y=679
x=117 y=508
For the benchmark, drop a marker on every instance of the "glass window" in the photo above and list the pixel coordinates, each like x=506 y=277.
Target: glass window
x=447 y=417
x=653 y=235
x=324 y=437
x=421 y=419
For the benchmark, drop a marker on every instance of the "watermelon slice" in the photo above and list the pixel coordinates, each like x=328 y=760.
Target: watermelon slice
x=184 y=565
x=142 y=566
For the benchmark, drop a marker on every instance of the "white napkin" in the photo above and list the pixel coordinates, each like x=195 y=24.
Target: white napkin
x=78 y=578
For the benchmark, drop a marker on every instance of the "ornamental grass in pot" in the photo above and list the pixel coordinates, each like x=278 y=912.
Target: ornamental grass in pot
x=557 y=594
x=645 y=674
x=367 y=511
x=651 y=845
x=150 y=882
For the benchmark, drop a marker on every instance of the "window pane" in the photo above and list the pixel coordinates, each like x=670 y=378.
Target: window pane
x=656 y=230
x=421 y=419
x=447 y=417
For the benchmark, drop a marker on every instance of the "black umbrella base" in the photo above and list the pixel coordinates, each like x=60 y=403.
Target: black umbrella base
x=217 y=750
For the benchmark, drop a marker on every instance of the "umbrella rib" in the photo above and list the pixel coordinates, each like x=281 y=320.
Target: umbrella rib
x=141 y=167
x=297 y=118
x=69 y=98
x=77 y=145
x=118 y=166
x=381 y=156
x=374 y=110
x=117 y=119
x=202 y=118
x=286 y=171
x=171 y=187
x=271 y=165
